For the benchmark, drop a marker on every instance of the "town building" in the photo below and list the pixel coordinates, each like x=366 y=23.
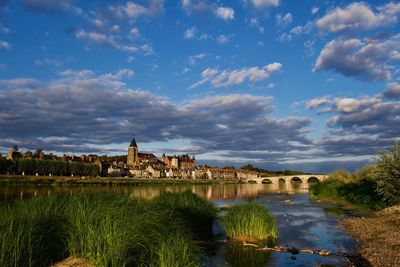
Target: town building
x=184 y=161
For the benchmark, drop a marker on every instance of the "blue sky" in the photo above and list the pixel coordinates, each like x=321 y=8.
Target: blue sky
x=312 y=85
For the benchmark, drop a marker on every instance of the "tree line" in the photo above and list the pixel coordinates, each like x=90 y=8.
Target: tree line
x=47 y=167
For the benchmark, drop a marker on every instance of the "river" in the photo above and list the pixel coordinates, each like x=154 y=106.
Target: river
x=302 y=223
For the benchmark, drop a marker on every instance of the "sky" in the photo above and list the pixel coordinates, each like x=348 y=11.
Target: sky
x=307 y=85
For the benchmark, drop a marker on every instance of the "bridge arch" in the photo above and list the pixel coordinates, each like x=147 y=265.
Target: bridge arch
x=296 y=179
x=266 y=181
x=251 y=181
x=313 y=179
x=282 y=180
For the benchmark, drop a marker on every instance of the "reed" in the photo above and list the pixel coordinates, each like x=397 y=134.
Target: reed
x=250 y=222
x=108 y=230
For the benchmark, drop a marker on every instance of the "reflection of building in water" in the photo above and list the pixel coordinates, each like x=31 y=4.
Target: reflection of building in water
x=209 y=192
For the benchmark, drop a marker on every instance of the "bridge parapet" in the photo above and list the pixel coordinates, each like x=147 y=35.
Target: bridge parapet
x=304 y=178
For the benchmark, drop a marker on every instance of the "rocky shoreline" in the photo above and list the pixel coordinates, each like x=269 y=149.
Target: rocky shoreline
x=378 y=237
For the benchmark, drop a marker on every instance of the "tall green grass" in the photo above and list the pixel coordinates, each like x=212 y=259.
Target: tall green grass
x=108 y=230
x=197 y=213
x=250 y=222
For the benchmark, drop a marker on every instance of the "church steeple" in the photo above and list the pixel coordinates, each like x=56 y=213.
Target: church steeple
x=133 y=143
x=133 y=154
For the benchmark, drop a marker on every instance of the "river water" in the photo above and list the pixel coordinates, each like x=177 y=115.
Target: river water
x=302 y=223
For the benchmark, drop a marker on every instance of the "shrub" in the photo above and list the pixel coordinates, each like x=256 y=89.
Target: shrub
x=387 y=175
x=341 y=175
x=327 y=189
x=250 y=222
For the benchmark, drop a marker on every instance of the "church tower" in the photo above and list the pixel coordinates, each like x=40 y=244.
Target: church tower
x=133 y=157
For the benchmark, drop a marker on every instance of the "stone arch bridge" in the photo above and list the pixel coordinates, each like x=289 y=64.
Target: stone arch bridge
x=309 y=178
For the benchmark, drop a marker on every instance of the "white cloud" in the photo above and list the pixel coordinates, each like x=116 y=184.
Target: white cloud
x=317 y=102
x=190 y=33
x=393 y=90
x=222 y=39
x=227 y=78
x=225 y=13
x=5 y=45
x=366 y=59
x=255 y=23
x=314 y=10
x=265 y=3
x=358 y=16
x=283 y=20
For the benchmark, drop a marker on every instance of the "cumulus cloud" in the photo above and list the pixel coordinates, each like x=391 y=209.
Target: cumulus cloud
x=317 y=102
x=358 y=16
x=366 y=59
x=76 y=112
x=190 y=33
x=265 y=3
x=114 y=25
x=227 y=78
x=254 y=22
x=283 y=21
x=359 y=126
x=296 y=31
x=314 y=10
x=222 y=39
x=393 y=90
x=225 y=13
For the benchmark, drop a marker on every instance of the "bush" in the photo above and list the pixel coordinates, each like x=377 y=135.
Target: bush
x=250 y=222
x=387 y=175
x=362 y=193
x=326 y=189
x=342 y=175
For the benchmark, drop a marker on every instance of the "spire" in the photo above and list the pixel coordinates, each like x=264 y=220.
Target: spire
x=133 y=143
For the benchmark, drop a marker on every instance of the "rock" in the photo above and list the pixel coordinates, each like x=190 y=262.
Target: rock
x=293 y=257
x=324 y=253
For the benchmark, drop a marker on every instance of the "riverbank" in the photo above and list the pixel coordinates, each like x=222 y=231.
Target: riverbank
x=378 y=236
x=106 y=181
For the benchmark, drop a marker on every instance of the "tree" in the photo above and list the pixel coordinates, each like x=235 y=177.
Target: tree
x=387 y=175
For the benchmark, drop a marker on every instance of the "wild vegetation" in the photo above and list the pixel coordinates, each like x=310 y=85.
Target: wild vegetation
x=250 y=222
x=108 y=230
x=375 y=186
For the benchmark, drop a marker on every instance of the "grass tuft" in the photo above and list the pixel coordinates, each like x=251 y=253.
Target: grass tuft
x=250 y=222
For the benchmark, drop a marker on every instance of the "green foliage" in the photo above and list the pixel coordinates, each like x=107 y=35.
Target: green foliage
x=362 y=193
x=326 y=189
x=250 y=222
x=53 y=167
x=177 y=249
x=387 y=175
x=7 y=166
x=107 y=229
x=266 y=173
x=341 y=175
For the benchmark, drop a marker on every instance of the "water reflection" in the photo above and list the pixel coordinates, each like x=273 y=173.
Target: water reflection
x=238 y=256
x=209 y=192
